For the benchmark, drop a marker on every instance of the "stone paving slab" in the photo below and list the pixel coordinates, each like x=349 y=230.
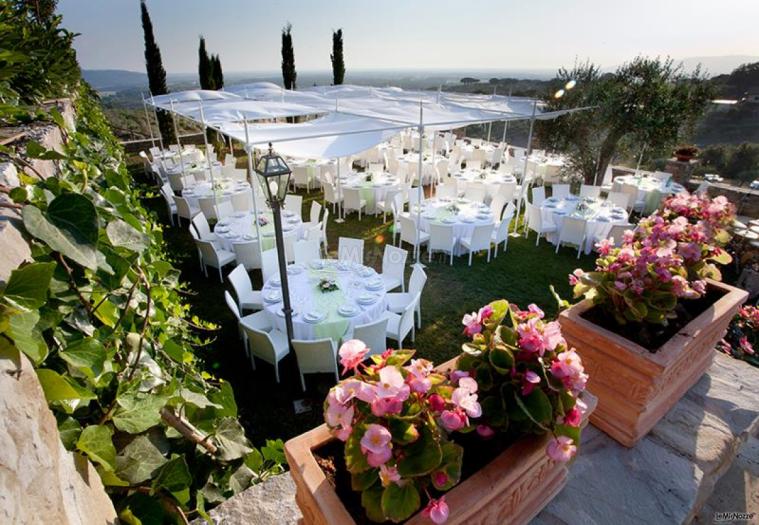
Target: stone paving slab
x=667 y=478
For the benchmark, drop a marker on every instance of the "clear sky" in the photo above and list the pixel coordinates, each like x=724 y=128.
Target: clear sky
x=422 y=34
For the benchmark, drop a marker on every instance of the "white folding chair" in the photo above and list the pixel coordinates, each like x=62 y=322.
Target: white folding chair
x=352 y=201
x=560 y=191
x=374 y=336
x=572 y=232
x=248 y=254
x=393 y=265
x=216 y=258
x=538 y=195
x=242 y=201
x=411 y=235
x=501 y=234
x=270 y=346
x=618 y=198
x=386 y=205
x=475 y=192
x=478 y=241
x=257 y=320
x=535 y=222
x=302 y=178
x=313 y=214
x=331 y=196
x=588 y=190
x=208 y=207
x=306 y=251
x=294 y=203
x=202 y=228
x=447 y=191
x=269 y=264
x=247 y=297
x=400 y=325
x=397 y=301
x=185 y=210
x=171 y=206
x=633 y=203
x=442 y=239
x=315 y=357
x=616 y=234
x=474 y=164
x=349 y=249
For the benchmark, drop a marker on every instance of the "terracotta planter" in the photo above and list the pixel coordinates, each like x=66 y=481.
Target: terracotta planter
x=513 y=488
x=636 y=388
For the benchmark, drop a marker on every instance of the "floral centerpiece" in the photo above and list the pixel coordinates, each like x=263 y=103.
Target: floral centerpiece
x=453 y=209
x=743 y=336
x=327 y=285
x=529 y=380
x=263 y=220
x=217 y=186
x=394 y=416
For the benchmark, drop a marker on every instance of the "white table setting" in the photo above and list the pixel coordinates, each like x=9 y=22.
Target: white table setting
x=240 y=227
x=329 y=298
x=600 y=215
x=221 y=189
x=647 y=184
x=373 y=187
x=464 y=215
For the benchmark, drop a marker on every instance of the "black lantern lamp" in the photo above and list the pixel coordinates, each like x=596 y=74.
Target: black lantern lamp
x=274 y=177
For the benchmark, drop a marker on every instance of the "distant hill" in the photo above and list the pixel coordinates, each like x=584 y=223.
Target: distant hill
x=114 y=79
x=719 y=65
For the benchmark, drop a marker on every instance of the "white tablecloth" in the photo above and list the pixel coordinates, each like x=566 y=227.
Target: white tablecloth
x=464 y=219
x=646 y=185
x=240 y=228
x=373 y=190
x=467 y=151
x=489 y=178
x=203 y=189
x=600 y=216
x=352 y=281
x=411 y=160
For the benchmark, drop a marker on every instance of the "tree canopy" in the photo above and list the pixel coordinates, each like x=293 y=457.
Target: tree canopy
x=289 y=76
x=649 y=102
x=156 y=73
x=205 y=68
x=338 y=62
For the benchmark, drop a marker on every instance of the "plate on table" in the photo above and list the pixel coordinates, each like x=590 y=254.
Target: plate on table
x=239 y=214
x=288 y=213
x=316 y=264
x=449 y=220
x=467 y=219
x=314 y=316
x=428 y=215
x=375 y=285
x=272 y=297
x=483 y=216
x=221 y=229
x=248 y=237
x=232 y=236
x=572 y=198
x=549 y=205
x=462 y=200
x=281 y=312
x=293 y=220
x=561 y=213
x=366 y=299
x=365 y=271
x=348 y=310
x=288 y=227
x=295 y=269
x=603 y=218
x=276 y=281
x=227 y=192
x=343 y=266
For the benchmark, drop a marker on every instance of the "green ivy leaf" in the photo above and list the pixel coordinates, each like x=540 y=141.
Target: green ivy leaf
x=241 y=479
x=139 y=460
x=254 y=460
x=138 y=412
x=95 y=441
x=86 y=355
x=231 y=439
x=28 y=285
x=23 y=329
x=422 y=456
x=173 y=476
x=123 y=235
x=60 y=388
x=400 y=503
x=197 y=399
x=69 y=429
x=59 y=240
x=75 y=214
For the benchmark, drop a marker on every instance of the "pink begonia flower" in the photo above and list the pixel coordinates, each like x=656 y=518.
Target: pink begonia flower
x=380 y=458
x=391 y=384
x=437 y=403
x=453 y=420
x=465 y=398
x=699 y=287
x=376 y=438
x=471 y=324
x=419 y=385
x=746 y=346
x=604 y=246
x=485 y=431
x=436 y=510
x=573 y=417
x=568 y=367
x=458 y=374
x=353 y=388
x=529 y=382
x=440 y=477
x=484 y=313
x=533 y=309
x=575 y=276
x=386 y=405
x=561 y=449
x=352 y=353
x=420 y=367
x=552 y=335
x=530 y=338
x=388 y=475
x=690 y=251
x=338 y=415
x=469 y=384
x=344 y=433
x=417 y=379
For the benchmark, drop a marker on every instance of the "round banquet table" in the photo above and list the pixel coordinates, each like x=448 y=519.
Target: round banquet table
x=204 y=189
x=372 y=187
x=412 y=165
x=316 y=314
x=239 y=227
x=599 y=214
x=647 y=185
x=467 y=151
x=490 y=178
x=198 y=166
x=460 y=213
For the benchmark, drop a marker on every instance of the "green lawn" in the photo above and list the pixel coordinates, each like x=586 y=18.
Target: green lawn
x=522 y=275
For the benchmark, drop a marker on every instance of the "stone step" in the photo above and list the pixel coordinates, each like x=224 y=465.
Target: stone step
x=667 y=478
x=670 y=474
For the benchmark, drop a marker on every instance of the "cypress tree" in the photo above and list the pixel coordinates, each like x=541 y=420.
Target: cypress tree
x=205 y=67
x=338 y=64
x=288 y=58
x=218 y=74
x=156 y=74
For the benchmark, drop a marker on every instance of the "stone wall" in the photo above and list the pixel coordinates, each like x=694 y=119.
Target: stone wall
x=40 y=481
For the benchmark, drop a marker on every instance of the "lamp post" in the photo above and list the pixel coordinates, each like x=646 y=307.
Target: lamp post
x=274 y=177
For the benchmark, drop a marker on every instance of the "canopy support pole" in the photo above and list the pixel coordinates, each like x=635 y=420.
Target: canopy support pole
x=253 y=189
x=420 y=190
x=155 y=114
x=340 y=211
x=640 y=160
x=147 y=119
x=523 y=191
x=208 y=162
x=506 y=123
x=179 y=144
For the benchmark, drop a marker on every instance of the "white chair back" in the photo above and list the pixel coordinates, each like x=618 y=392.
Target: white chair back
x=306 y=251
x=201 y=226
x=560 y=191
x=294 y=203
x=507 y=190
x=475 y=192
x=572 y=232
x=538 y=195
x=617 y=233
x=349 y=249
x=481 y=235
x=208 y=252
x=394 y=262
x=373 y=335
x=618 y=198
x=248 y=254
x=442 y=238
x=408 y=230
x=315 y=357
x=184 y=210
x=240 y=281
x=242 y=201
x=269 y=264
x=208 y=207
x=588 y=190
x=406 y=323
x=314 y=212
x=473 y=164
x=447 y=190
x=351 y=199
